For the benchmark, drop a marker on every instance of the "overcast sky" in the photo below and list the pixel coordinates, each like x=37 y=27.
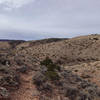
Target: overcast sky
x=36 y=19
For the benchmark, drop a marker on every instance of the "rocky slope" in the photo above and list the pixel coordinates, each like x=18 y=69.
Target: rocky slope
x=78 y=58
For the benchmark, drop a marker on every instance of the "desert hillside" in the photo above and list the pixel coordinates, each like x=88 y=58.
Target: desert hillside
x=50 y=69
x=68 y=51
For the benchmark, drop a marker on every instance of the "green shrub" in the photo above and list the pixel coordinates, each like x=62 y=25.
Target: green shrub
x=52 y=75
x=46 y=62
x=51 y=69
x=50 y=65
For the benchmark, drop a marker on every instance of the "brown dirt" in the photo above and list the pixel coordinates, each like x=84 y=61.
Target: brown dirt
x=26 y=88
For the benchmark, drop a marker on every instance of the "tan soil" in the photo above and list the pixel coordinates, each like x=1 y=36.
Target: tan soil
x=26 y=89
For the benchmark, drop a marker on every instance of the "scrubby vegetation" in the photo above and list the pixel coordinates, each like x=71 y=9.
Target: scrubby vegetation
x=14 y=43
x=47 y=61
x=51 y=76
x=52 y=69
x=47 y=41
x=49 y=72
x=24 y=69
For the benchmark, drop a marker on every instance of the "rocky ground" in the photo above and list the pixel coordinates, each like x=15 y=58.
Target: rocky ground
x=23 y=77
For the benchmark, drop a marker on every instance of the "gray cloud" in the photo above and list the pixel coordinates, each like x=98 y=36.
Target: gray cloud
x=48 y=18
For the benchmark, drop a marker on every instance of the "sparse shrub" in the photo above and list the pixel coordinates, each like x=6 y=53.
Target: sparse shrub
x=51 y=69
x=4 y=61
x=47 y=87
x=95 y=38
x=59 y=61
x=4 y=69
x=47 y=72
x=22 y=69
x=52 y=75
x=39 y=78
x=46 y=62
x=4 y=94
x=71 y=92
x=50 y=65
x=20 y=61
x=76 y=70
x=11 y=81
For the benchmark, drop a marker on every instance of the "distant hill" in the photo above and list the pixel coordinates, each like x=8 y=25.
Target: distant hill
x=49 y=40
x=7 y=40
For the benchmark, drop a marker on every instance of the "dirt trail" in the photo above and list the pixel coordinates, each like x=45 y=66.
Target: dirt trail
x=26 y=90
